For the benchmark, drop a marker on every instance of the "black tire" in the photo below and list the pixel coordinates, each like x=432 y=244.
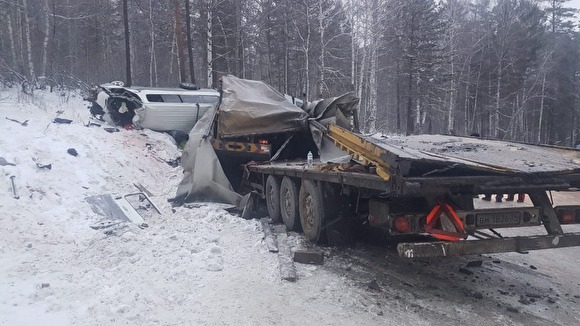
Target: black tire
x=311 y=207
x=289 y=204
x=339 y=216
x=272 y=193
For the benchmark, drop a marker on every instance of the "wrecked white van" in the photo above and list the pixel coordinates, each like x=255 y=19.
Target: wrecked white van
x=160 y=109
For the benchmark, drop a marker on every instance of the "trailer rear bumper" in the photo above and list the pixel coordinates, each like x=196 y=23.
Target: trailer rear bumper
x=488 y=246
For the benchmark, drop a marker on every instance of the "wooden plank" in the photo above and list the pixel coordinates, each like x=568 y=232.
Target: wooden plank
x=314 y=257
x=287 y=268
x=270 y=240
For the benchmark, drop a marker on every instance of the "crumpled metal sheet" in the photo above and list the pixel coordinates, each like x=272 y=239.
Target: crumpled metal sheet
x=251 y=107
x=203 y=176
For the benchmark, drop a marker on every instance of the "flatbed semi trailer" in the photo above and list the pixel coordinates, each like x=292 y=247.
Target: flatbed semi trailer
x=424 y=186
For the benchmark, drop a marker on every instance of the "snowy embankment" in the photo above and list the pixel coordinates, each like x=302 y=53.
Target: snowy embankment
x=198 y=266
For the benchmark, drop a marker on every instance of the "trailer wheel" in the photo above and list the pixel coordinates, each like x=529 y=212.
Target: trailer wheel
x=289 y=203
x=272 y=193
x=311 y=210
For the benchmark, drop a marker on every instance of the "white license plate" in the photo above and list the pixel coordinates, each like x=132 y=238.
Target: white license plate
x=498 y=219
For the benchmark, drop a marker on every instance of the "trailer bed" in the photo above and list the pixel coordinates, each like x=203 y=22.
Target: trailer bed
x=420 y=155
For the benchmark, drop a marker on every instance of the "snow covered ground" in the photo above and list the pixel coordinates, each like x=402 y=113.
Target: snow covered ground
x=204 y=266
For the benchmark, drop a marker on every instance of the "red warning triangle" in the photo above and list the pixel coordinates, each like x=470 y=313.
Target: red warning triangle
x=434 y=217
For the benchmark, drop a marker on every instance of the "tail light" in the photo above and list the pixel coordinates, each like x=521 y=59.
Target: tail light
x=569 y=214
x=263 y=142
x=402 y=224
x=566 y=216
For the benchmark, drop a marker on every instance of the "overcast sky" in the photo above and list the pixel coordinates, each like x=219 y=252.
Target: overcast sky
x=574 y=4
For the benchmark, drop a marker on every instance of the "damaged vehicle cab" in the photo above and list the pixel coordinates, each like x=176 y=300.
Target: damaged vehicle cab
x=160 y=109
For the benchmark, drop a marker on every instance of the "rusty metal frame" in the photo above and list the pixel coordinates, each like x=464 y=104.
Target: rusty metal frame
x=473 y=247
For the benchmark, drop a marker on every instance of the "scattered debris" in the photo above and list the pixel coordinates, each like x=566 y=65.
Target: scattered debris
x=119 y=207
x=477 y=295
x=475 y=263
x=142 y=189
x=314 y=257
x=92 y=122
x=103 y=224
x=287 y=269
x=3 y=162
x=174 y=163
x=512 y=309
x=533 y=267
x=268 y=237
x=111 y=130
x=533 y=295
x=179 y=136
x=42 y=166
x=374 y=285
x=14 y=193
x=72 y=151
x=524 y=300
x=62 y=121
x=25 y=123
x=465 y=271
x=190 y=206
x=44 y=285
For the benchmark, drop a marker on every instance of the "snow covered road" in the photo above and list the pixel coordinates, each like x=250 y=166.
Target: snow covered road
x=204 y=266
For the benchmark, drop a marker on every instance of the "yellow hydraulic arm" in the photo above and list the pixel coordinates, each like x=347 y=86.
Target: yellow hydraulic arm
x=361 y=149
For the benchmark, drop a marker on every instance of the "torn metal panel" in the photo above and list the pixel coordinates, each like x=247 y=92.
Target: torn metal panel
x=117 y=207
x=203 y=176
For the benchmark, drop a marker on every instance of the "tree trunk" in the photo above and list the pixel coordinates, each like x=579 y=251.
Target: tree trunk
x=153 y=78
x=398 y=94
x=189 y=43
x=361 y=78
x=180 y=42
x=12 y=44
x=28 y=41
x=127 y=44
x=46 y=38
x=451 y=110
x=209 y=40
x=307 y=52
x=541 y=117
x=410 y=115
x=321 y=85
x=286 y=50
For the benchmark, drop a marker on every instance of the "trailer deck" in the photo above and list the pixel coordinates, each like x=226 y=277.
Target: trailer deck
x=416 y=153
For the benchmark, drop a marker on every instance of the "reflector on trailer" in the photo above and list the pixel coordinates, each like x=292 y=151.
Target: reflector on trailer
x=435 y=216
x=402 y=224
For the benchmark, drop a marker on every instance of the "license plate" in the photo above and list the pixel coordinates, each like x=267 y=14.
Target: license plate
x=498 y=219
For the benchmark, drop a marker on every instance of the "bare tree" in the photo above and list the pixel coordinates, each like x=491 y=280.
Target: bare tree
x=127 y=44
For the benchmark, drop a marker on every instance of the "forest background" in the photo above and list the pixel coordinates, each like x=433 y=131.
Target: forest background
x=506 y=69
